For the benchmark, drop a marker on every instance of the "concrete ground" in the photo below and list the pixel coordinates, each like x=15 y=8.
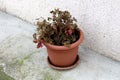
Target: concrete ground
x=20 y=59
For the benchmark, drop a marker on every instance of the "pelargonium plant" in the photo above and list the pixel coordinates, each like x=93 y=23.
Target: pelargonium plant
x=60 y=29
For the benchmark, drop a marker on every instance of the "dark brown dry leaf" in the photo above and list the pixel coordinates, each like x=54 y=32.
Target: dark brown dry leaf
x=74 y=19
x=51 y=11
x=34 y=36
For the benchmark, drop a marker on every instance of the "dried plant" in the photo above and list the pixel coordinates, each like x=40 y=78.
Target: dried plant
x=60 y=29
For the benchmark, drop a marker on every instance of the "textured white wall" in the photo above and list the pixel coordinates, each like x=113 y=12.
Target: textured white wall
x=99 y=19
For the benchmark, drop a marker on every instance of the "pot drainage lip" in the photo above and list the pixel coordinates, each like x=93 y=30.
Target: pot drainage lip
x=64 y=68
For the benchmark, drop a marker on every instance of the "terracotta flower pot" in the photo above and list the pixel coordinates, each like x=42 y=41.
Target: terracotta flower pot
x=63 y=56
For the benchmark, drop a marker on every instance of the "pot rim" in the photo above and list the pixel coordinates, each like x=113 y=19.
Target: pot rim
x=55 y=47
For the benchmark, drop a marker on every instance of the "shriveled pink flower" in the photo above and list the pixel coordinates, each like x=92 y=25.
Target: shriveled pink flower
x=39 y=45
x=69 y=31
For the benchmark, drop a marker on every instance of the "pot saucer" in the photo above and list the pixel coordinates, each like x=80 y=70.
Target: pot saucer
x=64 y=68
